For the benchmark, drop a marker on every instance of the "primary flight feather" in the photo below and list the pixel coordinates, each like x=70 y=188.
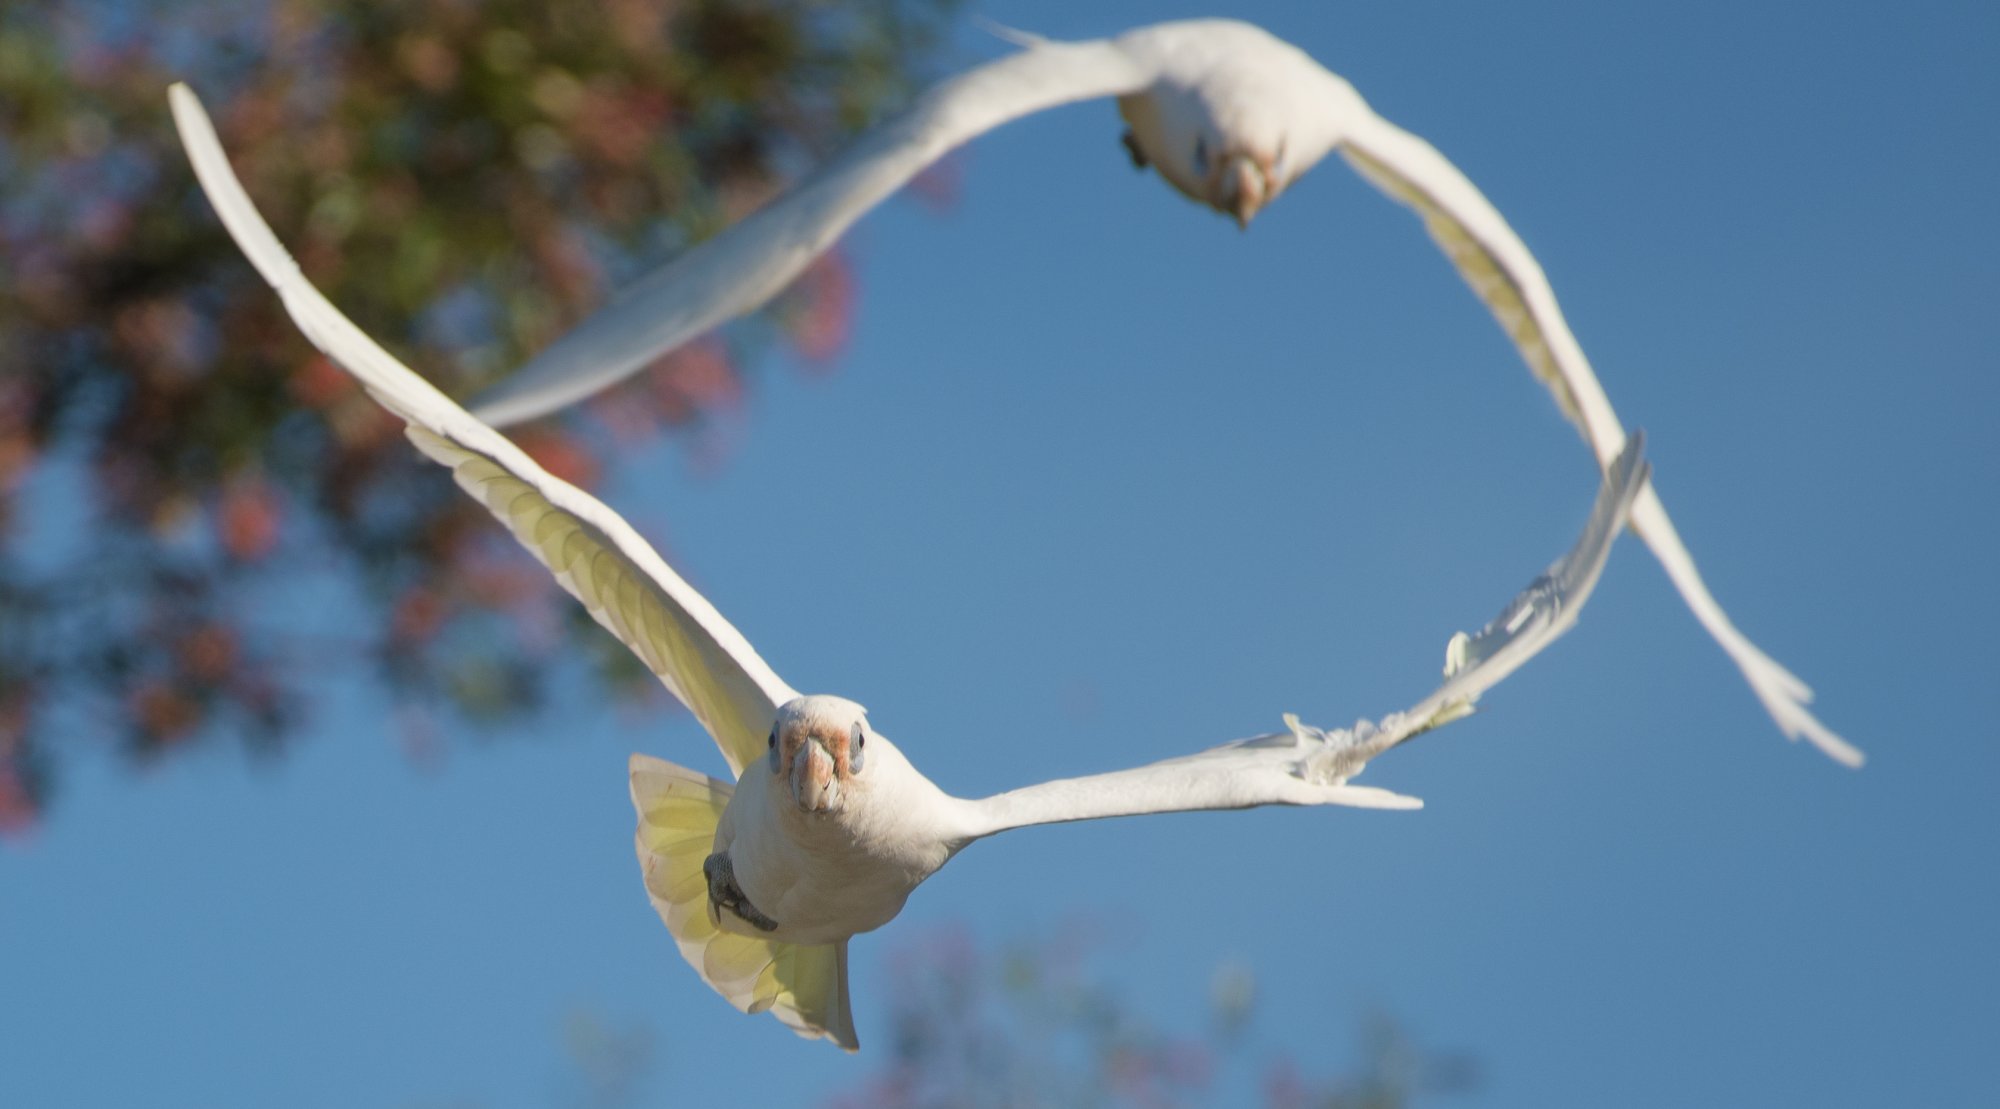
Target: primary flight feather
x=1228 y=115
x=828 y=828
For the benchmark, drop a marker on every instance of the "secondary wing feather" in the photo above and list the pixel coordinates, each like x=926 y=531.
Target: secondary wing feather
x=1305 y=765
x=596 y=556
x=738 y=270
x=1535 y=618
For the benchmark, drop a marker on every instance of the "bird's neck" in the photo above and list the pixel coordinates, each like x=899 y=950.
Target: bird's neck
x=902 y=813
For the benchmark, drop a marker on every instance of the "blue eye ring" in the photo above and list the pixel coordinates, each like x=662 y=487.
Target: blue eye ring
x=774 y=748
x=854 y=752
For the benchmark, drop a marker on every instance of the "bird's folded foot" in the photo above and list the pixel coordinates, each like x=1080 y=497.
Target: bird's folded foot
x=724 y=893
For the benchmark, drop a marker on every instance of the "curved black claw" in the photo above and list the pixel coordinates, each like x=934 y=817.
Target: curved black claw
x=1132 y=148
x=724 y=893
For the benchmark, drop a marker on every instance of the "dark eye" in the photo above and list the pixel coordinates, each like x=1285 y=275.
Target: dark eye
x=1201 y=156
x=854 y=753
x=774 y=748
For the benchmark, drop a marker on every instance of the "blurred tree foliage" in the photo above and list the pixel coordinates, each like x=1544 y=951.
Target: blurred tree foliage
x=187 y=490
x=1029 y=1025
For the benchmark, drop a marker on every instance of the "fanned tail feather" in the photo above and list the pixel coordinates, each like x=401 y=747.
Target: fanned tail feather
x=803 y=985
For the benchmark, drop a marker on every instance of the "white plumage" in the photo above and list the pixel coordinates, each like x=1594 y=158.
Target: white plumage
x=828 y=827
x=1228 y=115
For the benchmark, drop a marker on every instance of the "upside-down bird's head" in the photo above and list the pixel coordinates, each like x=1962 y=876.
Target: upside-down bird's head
x=1232 y=123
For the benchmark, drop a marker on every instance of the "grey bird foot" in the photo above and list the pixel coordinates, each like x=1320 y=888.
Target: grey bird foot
x=723 y=893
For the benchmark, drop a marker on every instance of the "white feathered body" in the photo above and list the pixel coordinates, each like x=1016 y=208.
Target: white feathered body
x=1241 y=88
x=827 y=876
x=835 y=845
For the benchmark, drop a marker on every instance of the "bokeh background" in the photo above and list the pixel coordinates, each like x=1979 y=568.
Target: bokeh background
x=314 y=792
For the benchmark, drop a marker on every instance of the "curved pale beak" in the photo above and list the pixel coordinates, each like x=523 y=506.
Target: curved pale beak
x=814 y=786
x=1243 y=188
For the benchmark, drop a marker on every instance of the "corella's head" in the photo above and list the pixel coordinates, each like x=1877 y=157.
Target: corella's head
x=819 y=749
x=1233 y=131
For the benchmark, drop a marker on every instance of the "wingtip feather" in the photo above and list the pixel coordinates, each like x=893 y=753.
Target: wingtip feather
x=1023 y=39
x=1372 y=797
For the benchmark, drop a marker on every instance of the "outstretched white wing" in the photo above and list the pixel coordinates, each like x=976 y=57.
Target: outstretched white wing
x=1503 y=273
x=596 y=556
x=1305 y=765
x=1546 y=609
x=740 y=269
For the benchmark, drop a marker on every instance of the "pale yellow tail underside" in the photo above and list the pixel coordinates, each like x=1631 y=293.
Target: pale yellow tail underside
x=804 y=986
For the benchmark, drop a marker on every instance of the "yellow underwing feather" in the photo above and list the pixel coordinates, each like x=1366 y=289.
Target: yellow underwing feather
x=1482 y=271
x=591 y=551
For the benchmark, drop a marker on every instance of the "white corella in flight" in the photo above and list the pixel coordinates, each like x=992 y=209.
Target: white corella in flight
x=827 y=827
x=1228 y=115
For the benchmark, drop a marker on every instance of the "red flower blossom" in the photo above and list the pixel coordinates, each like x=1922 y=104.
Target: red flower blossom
x=248 y=520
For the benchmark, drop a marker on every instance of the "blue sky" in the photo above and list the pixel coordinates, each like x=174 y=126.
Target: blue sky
x=1102 y=480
